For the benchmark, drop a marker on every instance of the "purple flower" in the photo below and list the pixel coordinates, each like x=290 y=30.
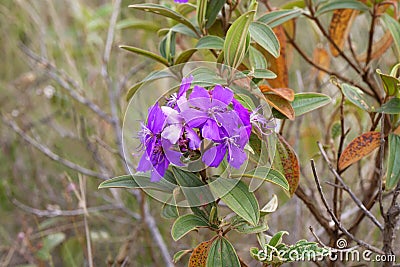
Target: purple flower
x=243 y=114
x=177 y=129
x=263 y=125
x=158 y=152
x=232 y=142
x=207 y=110
x=181 y=1
x=185 y=85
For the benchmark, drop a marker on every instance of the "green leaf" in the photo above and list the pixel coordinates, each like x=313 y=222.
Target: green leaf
x=356 y=96
x=265 y=37
x=178 y=255
x=50 y=242
x=390 y=107
x=306 y=102
x=167 y=47
x=271 y=206
x=186 y=223
x=222 y=254
x=166 y=12
x=201 y=13
x=184 y=56
x=185 y=8
x=277 y=238
x=236 y=45
x=179 y=28
x=393 y=167
x=145 y=53
x=245 y=228
x=269 y=175
x=390 y=84
x=394 y=28
x=151 y=77
x=276 y=18
x=169 y=211
x=196 y=192
x=342 y=4
x=213 y=8
x=257 y=59
x=235 y=194
x=210 y=42
x=139 y=180
x=260 y=74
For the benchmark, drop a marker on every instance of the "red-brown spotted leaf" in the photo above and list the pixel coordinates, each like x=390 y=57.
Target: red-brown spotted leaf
x=339 y=28
x=289 y=164
x=359 y=148
x=281 y=104
x=199 y=255
x=286 y=93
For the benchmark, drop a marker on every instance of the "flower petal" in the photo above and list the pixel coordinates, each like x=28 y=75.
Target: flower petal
x=172 y=133
x=156 y=119
x=210 y=130
x=185 y=85
x=171 y=154
x=224 y=95
x=194 y=139
x=236 y=156
x=213 y=156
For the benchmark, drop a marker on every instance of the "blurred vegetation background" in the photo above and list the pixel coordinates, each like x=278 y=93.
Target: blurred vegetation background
x=52 y=61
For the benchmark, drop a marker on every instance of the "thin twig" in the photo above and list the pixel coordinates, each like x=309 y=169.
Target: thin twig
x=57 y=212
x=65 y=81
x=337 y=222
x=348 y=190
x=46 y=151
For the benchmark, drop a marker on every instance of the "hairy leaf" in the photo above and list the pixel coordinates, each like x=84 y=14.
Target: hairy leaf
x=360 y=147
x=198 y=258
x=222 y=254
x=145 y=53
x=236 y=43
x=289 y=164
x=186 y=223
x=393 y=167
x=235 y=194
x=339 y=27
x=341 y=5
x=264 y=36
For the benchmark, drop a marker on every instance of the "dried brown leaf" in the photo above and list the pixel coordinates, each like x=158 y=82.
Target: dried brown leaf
x=359 y=148
x=281 y=104
x=286 y=93
x=340 y=26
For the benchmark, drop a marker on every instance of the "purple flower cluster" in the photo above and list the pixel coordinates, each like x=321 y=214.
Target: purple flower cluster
x=179 y=128
x=181 y=1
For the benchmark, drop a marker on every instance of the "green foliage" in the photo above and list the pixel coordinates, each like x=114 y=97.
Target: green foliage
x=393 y=168
x=222 y=254
x=186 y=223
x=238 y=198
x=237 y=40
x=344 y=4
x=356 y=96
